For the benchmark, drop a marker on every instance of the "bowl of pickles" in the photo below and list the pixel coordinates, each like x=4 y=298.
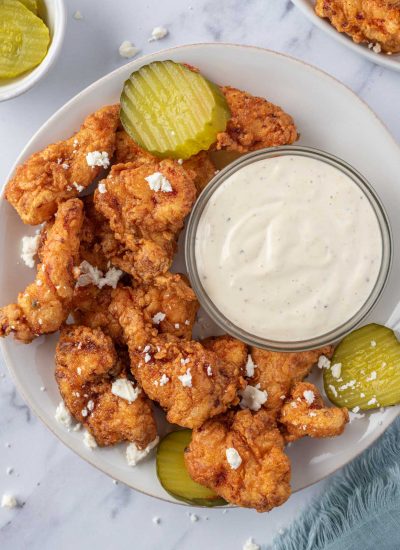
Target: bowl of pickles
x=31 y=36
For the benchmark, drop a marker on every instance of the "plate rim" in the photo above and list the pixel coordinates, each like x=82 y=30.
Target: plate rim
x=383 y=60
x=143 y=59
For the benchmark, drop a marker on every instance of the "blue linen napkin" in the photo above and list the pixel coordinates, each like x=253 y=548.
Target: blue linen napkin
x=360 y=507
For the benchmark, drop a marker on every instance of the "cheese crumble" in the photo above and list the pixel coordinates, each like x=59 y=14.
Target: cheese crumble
x=233 y=458
x=98 y=158
x=336 y=370
x=102 y=188
x=164 y=380
x=9 y=501
x=252 y=398
x=30 y=247
x=323 y=362
x=91 y=275
x=63 y=416
x=135 y=455
x=250 y=367
x=127 y=49
x=251 y=545
x=309 y=396
x=124 y=388
x=186 y=379
x=158 y=317
x=89 y=441
x=158 y=33
x=158 y=182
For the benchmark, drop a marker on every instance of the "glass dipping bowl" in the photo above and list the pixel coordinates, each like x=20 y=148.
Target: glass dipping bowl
x=296 y=345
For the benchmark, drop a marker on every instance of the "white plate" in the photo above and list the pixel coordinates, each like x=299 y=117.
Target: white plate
x=329 y=116
x=389 y=61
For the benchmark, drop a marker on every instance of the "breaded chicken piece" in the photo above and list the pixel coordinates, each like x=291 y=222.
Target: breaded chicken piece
x=147 y=221
x=304 y=413
x=86 y=366
x=255 y=123
x=60 y=171
x=277 y=372
x=129 y=151
x=190 y=382
x=370 y=21
x=228 y=349
x=261 y=480
x=45 y=304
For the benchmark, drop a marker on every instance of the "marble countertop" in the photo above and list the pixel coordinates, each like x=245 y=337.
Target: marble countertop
x=67 y=503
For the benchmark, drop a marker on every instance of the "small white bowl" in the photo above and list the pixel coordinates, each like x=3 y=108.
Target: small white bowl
x=54 y=17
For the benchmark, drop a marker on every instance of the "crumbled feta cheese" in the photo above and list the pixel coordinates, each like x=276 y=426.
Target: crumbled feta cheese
x=252 y=398
x=78 y=187
x=309 y=396
x=372 y=401
x=84 y=413
x=158 y=317
x=79 y=370
x=187 y=322
x=157 y=33
x=355 y=409
x=30 y=246
x=177 y=325
x=185 y=361
x=372 y=377
x=312 y=414
x=135 y=455
x=9 y=501
x=102 y=188
x=362 y=395
x=146 y=349
x=147 y=358
x=89 y=441
x=63 y=416
x=111 y=278
x=336 y=370
x=90 y=274
x=233 y=458
x=186 y=379
x=78 y=16
x=127 y=49
x=156 y=520
x=90 y=405
x=158 y=182
x=333 y=390
x=164 y=380
x=65 y=165
x=124 y=388
x=251 y=545
x=193 y=518
x=349 y=384
x=373 y=344
x=39 y=282
x=250 y=367
x=209 y=370
x=180 y=161
x=377 y=48
x=97 y=158
x=323 y=362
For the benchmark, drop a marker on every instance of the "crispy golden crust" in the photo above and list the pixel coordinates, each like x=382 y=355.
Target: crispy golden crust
x=228 y=349
x=147 y=222
x=371 y=21
x=46 y=303
x=255 y=123
x=86 y=365
x=209 y=384
x=277 y=372
x=300 y=417
x=262 y=481
x=201 y=165
x=47 y=177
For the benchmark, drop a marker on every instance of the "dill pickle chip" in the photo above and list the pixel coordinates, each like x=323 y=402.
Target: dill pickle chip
x=24 y=39
x=31 y=5
x=172 y=111
x=173 y=476
x=365 y=370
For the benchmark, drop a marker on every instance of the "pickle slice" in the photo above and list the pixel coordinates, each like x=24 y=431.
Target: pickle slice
x=172 y=111
x=31 y=5
x=24 y=39
x=173 y=476
x=365 y=370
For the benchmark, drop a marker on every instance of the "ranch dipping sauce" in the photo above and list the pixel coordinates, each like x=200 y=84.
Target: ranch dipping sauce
x=288 y=248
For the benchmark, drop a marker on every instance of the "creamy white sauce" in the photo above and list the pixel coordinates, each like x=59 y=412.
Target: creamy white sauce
x=288 y=248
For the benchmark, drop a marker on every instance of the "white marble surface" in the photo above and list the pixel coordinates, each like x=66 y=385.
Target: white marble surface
x=66 y=503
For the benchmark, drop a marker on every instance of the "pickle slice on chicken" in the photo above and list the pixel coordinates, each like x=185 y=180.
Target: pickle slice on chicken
x=24 y=39
x=365 y=370
x=172 y=111
x=31 y=5
x=173 y=476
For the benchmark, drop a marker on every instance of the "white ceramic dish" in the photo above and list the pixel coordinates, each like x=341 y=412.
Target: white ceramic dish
x=388 y=61
x=321 y=108
x=55 y=18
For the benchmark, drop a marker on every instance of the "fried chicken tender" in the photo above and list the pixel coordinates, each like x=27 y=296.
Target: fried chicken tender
x=277 y=372
x=58 y=172
x=262 y=480
x=86 y=366
x=228 y=349
x=370 y=21
x=304 y=413
x=45 y=304
x=255 y=123
x=147 y=222
x=201 y=164
x=190 y=382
